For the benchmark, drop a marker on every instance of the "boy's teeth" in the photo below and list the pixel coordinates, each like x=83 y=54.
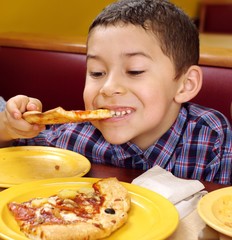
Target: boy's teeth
x=120 y=113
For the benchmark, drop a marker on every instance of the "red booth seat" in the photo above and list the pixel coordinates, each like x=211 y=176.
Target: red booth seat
x=57 y=77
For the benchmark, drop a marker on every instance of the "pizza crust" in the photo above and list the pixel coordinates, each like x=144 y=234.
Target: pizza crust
x=80 y=231
x=59 y=115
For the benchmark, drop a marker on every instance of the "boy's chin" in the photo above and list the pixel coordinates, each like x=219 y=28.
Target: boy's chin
x=116 y=140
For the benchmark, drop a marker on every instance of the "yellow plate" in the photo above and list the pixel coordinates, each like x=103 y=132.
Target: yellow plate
x=215 y=208
x=24 y=164
x=151 y=216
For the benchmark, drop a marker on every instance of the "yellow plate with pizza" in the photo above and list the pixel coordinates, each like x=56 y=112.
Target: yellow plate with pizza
x=215 y=208
x=24 y=164
x=151 y=216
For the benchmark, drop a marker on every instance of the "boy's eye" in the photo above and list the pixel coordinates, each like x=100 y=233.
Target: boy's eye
x=135 y=72
x=96 y=74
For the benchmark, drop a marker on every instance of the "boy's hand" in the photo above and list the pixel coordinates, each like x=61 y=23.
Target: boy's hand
x=12 y=125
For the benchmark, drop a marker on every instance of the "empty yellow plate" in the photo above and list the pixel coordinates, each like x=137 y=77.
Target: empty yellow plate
x=215 y=208
x=24 y=164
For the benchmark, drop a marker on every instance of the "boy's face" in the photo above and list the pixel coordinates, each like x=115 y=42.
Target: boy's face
x=128 y=73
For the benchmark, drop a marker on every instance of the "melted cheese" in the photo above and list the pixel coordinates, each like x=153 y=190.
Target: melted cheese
x=69 y=216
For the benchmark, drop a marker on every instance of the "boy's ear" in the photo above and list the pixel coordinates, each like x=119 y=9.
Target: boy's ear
x=190 y=84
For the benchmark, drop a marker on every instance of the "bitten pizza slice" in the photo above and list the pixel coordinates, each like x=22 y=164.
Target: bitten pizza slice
x=89 y=213
x=59 y=115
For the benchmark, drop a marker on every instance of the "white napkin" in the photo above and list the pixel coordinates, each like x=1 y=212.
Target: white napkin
x=184 y=194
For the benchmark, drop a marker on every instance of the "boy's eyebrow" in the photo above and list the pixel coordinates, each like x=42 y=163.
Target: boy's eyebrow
x=89 y=56
x=130 y=54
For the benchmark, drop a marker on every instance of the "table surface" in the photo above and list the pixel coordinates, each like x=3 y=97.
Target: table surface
x=188 y=228
x=127 y=175
x=192 y=227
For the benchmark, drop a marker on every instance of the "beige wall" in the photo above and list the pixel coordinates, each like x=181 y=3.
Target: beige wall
x=59 y=17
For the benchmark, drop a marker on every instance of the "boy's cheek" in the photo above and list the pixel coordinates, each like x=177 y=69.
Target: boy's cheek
x=88 y=100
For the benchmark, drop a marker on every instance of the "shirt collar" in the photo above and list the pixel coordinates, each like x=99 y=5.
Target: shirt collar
x=161 y=150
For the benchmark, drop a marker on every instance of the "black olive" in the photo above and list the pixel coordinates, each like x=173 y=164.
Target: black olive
x=110 y=211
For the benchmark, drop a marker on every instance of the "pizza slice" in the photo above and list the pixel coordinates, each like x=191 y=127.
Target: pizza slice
x=89 y=213
x=59 y=115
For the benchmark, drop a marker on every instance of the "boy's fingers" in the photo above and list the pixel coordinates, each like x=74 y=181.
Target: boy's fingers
x=17 y=115
x=34 y=105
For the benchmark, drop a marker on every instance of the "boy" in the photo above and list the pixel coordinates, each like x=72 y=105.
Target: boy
x=142 y=61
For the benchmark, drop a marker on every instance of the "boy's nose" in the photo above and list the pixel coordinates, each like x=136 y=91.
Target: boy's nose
x=112 y=87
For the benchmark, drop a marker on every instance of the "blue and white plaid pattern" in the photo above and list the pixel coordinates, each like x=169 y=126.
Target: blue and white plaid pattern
x=197 y=146
x=2 y=104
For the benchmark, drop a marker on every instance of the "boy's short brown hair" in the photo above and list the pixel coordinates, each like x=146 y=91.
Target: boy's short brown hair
x=177 y=34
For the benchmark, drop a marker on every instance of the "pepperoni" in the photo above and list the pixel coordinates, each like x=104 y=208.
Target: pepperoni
x=22 y=212
x=27 y=214
x=81 y=205
x=49 y=217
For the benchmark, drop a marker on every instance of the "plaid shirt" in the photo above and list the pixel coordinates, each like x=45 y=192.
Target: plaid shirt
x=197 y=146
x=2 y=104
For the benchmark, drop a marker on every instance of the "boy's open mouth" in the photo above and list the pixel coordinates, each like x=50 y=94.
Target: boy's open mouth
x=120 y=113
